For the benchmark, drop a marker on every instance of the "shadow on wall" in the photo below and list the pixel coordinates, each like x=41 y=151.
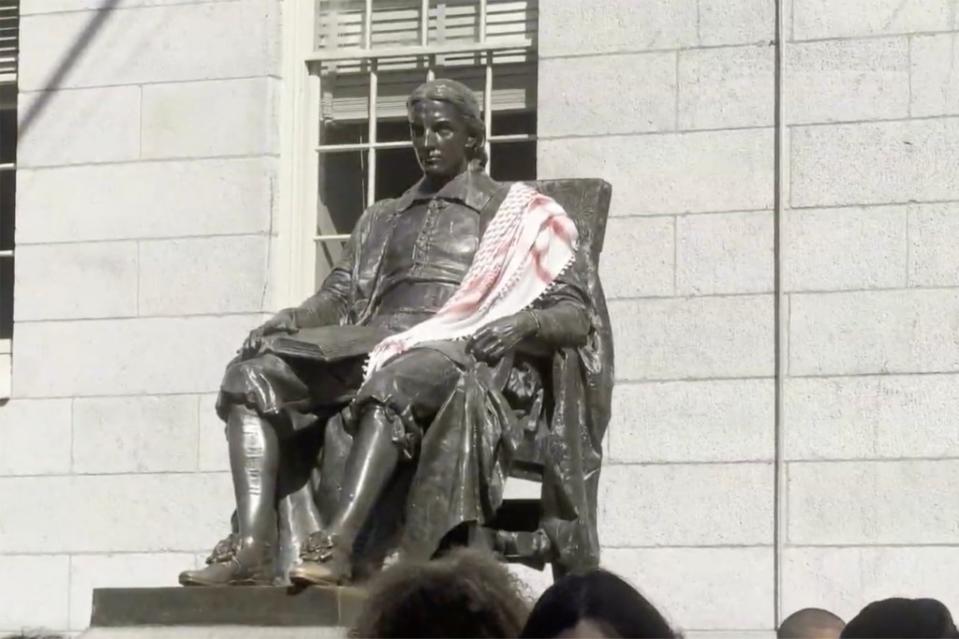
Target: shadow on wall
x=67 y=62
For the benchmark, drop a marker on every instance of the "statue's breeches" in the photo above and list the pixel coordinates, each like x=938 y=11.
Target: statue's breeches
x=295 y=394
x=413 y=387
x=292 y=394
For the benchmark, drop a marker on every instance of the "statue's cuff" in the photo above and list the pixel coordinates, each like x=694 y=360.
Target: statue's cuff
x=537 y=326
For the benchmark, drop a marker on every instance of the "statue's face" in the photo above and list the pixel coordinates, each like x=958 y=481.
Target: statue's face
x=440 y=138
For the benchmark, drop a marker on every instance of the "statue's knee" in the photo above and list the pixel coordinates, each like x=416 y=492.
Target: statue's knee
x=385 y=423
x=250 y=363
x=380 y=386
x=238 y=372
x=246 y=375
x=376 y=417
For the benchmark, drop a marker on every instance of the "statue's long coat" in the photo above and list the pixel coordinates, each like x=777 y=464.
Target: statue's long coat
x=466 y=452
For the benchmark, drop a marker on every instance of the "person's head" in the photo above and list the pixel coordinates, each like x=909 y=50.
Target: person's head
x=903 y=618
x=810 y=623
x=463 y=594
x=446 y=128
x=595 y=604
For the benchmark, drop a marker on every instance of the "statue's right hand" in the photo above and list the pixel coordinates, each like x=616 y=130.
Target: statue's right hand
x=282 y=322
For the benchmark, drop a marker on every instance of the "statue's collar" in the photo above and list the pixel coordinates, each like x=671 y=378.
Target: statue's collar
x=473 y=188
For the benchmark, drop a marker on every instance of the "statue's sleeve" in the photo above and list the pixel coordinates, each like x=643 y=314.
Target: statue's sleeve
x=330 y=305
x=562 y=314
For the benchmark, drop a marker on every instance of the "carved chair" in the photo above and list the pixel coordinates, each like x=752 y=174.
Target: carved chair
x=516 y=533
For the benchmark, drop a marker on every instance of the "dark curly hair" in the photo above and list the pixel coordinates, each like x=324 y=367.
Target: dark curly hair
x=465 y=593
x=611 y=605
x=902 y=618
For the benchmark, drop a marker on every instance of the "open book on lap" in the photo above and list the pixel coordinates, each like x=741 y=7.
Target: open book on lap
x=326 y=343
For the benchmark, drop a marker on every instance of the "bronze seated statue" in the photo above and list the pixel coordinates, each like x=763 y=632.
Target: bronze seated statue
x=462 y=338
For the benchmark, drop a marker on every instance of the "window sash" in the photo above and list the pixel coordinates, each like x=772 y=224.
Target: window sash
x=7 y=253
x=421 y=51
x=7 y=76
x=341 y=148
x=405 y=144
x=345 y=91
x=374 y=57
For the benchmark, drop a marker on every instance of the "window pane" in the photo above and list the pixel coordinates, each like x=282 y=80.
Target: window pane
x=342 y=191
x=454 y=21
x=458 y=20
x=392 y=92
x=513 y=161
x=336 y=132
x=340 y=23
x=470 y=74
x=328 y=253
x=396 y=23
x=396 y=171
x=345 y=91
x=511 y=19
x=393 y=130
x=7 y=202
x=6 y=297
x=514 y=122
x=8 y=124
x=514 y=85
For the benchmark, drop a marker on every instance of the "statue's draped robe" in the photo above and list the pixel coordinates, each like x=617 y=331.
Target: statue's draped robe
x=404 y=259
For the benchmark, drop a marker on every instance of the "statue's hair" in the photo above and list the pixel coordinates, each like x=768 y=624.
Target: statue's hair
x=463 y=594
x=461 y=97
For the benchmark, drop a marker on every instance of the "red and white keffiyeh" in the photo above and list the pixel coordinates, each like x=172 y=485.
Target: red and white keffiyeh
x=529 y=242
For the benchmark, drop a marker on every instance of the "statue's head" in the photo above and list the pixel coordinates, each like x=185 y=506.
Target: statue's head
x=447 y=128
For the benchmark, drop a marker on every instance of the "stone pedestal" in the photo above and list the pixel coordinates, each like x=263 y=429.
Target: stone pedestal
x=237 y=612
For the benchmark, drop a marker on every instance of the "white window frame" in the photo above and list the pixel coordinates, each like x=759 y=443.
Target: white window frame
x=6 y=345
x=8 y=53
x=301 y=109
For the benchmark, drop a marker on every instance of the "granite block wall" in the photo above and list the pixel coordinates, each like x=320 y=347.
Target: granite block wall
x=147 y=172
x=674 y=104
x=146 y=190
x=870 y=272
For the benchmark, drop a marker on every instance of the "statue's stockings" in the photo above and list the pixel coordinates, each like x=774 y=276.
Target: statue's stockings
x=255 y=460
x=369 y=468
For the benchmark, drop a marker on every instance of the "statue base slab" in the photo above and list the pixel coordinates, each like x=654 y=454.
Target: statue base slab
x=240 y=612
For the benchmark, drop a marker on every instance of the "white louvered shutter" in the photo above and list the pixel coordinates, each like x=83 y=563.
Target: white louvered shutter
x=9 y=40
x=397 y=25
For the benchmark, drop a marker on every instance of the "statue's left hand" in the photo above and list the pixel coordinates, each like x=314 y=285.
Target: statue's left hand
x=282 y=322
x=494 y=340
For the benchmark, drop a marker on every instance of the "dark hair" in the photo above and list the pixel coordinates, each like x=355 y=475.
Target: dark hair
x=600 y=597
x=461 y=97
x=809 y=622
x=906 y=618
x=466 y=593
